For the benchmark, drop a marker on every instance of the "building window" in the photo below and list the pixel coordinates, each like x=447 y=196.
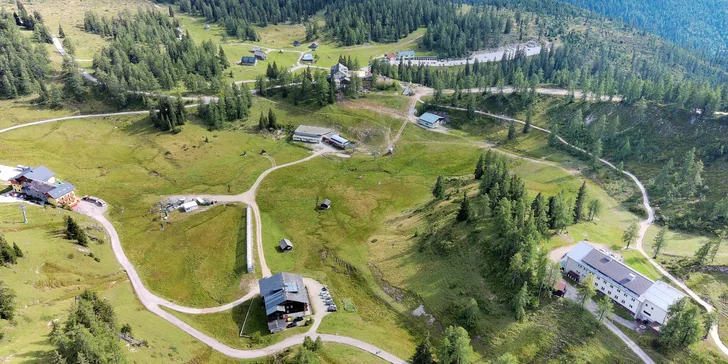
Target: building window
x=646 y=313
x=610 y=292
x=633 y=300
x=611 y=286
x=630 y=306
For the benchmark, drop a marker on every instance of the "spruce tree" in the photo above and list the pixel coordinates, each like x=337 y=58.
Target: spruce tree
x=272 y=121
x=220 y=55
x=61 y=34
x=579 y=205
x=262 y=122
x=423 y=353
x=479 y=168
x=464 y=212
x=527 y=126
x=660 y=241
x=512 y=130
x=439 y=190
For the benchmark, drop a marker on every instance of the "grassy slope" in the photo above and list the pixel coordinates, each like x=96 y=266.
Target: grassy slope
x=53 y=271
x=125 y=161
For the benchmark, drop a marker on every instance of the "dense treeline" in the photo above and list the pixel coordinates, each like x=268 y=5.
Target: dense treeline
x=522 y=272
x=89 y=334
x=359 y=21
x=571 y=66
x=701 y=24
x=239 y=16
x=149 y=52
x=168 y=114
x=23 y=66
x=233 y=104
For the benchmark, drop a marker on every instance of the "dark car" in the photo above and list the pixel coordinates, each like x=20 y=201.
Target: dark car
x=292 y=324
x=331 y=308
x=297 y=319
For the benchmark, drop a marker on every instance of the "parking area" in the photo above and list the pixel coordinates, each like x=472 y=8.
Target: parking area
x=7 y=172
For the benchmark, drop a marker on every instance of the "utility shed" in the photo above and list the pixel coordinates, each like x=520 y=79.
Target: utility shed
x=260 y=55
x=325 y=204
x=189 y=206
x=429 y=120
x=286 y=245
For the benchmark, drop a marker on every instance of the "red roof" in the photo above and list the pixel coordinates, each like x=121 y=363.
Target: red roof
x=389 y=56
x=561 y=286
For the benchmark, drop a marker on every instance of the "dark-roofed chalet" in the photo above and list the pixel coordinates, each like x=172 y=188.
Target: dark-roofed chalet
x=248 y=61
x=285 y=296
x=260 y=55
x=617 y=271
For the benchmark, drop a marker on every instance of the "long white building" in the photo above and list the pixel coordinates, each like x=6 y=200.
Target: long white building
x=642 y=297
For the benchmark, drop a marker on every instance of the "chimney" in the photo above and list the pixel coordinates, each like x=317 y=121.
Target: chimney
x=631 y=277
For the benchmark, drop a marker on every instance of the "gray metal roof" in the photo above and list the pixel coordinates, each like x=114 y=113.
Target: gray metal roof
x=282 y=287
x=41 y=187
x=61 y=190
x=247 y=59
x=285 y=243
x=339 y=139
x=617 y=271
x=40 y=173
x=430 y=117
x=406 y=53
x=315 y=131
x=307 y=57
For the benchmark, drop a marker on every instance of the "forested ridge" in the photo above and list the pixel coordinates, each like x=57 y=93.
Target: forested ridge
x=695 y=23
x=148 y=51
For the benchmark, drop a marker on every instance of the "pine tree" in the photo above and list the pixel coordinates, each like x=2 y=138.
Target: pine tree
x=464 y=212
x=595 y=208
x=660 y=241
x=471 y=106
x=439 y=190
x=630 y=235
x=579 y=205
x=586 y=290
x=604 y=307
x=18 y=252
x=61 y=34
x=171 y=11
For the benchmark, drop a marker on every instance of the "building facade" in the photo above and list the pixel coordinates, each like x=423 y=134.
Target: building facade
x=429 y=120
x=40 y=184
x=642 y=297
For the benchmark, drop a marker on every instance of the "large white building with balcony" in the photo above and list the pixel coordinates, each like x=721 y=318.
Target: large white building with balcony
x=642 y=297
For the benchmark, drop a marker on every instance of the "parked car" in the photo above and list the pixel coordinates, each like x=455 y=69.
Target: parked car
x=297 y=319
x=292 y=324
x=331 y=308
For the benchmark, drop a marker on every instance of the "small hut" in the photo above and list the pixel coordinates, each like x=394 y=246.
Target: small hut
x=286 y=245
x=325 y=204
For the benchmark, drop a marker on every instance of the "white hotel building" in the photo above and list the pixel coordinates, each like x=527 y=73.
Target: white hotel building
x=643 y=298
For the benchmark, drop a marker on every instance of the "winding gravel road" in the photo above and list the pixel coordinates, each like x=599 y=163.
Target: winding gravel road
x=154 y=303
